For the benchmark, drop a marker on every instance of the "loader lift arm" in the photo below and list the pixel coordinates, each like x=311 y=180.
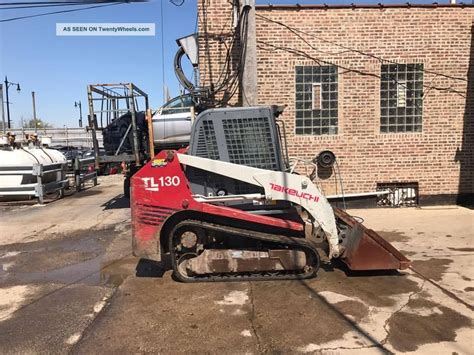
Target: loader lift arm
x=279 y=186
x=360 y=248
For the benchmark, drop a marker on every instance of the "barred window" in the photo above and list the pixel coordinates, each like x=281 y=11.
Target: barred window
x=401 y=98
x=316 y=99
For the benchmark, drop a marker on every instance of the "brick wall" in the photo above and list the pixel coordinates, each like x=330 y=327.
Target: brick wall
x=440 y=157
x=216 y=26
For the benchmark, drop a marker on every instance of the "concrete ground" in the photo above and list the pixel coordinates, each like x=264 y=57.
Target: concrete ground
x=68 y=283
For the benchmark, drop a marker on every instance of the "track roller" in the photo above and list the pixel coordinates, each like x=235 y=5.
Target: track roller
x=202 y=251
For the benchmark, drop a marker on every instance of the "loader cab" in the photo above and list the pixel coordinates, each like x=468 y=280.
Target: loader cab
x=242 y=135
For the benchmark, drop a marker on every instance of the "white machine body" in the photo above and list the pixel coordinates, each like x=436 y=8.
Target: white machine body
x=278 y=186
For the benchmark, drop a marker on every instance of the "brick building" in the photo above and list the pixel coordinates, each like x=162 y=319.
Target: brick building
x=388 y=89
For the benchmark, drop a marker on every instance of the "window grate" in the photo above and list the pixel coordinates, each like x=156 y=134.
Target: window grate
x=401 y=98
x=400 y=194
x=316 y=115
x=207 y=142
x=249 y=142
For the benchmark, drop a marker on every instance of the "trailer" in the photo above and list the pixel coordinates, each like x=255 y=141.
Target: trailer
x=120 y=113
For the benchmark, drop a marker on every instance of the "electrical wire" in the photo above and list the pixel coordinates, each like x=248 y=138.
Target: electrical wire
x=342 y=184
x=79 y=2
x=230 y=81
x=58 y=12
x=297 y=32
x=41 y=4
x=242 y=90
x=301 y=53
x=227 y=81
x=243 y=33
x=177 y=3
x=221 y=91
x=346 y=48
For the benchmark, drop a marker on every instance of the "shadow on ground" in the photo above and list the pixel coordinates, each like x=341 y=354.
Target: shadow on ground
x=339 y=265
x=119 y=201
x=152 y=268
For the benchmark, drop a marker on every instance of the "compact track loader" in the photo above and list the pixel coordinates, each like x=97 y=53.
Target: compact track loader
x=228 y=208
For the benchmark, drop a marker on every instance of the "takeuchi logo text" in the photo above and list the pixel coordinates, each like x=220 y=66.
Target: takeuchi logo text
x=294 y=192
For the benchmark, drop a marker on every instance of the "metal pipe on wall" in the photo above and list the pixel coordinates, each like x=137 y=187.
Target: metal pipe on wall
x=248 y=85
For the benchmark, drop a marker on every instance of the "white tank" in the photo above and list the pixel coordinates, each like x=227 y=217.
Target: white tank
x=26 y=157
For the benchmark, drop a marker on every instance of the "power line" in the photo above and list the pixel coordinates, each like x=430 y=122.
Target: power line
x=39 y=3
x=56 y=12
x=379 y=58
x=230 y=85
x=59 y=12
x=301 y=53
x=49 y=5
x=35 y=4
x=177 y=3
x=85 y=2
x=227 y=83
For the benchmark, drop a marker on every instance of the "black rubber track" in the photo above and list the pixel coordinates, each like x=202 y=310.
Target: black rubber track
x=255 y=276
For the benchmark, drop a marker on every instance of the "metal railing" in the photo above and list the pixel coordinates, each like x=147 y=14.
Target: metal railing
x=40 y=188
x=66 y=136
x=81 y=172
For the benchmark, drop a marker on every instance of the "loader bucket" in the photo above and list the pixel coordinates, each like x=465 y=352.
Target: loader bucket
x=366 y=250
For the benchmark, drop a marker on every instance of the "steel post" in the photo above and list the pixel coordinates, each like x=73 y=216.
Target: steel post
x=93 y=126
x=8 y=104
x=136 y=153
x=3 y=109
x=151 y=139
x=38 y=171
x=34 y=111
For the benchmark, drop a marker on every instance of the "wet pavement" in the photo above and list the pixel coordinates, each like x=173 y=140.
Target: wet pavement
x=68 y=283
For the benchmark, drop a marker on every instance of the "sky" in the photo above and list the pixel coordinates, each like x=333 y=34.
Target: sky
x=59 y=68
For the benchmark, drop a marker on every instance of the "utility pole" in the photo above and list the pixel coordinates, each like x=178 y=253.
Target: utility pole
x=7 y=85
x=34 y=111
x=3 y=109
x=78 y=104
x=248 y=86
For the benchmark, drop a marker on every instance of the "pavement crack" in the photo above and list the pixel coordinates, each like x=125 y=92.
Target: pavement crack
x=444 y=290
x=354 y=348
x=252 y=320
x=74 y=282
x=400 y=309
x=453 y=255
x=88 y=329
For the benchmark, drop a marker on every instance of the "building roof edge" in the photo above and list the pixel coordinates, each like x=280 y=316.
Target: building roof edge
x=355 y=6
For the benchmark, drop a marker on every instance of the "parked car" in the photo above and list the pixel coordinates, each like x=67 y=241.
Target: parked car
x=172 y=122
